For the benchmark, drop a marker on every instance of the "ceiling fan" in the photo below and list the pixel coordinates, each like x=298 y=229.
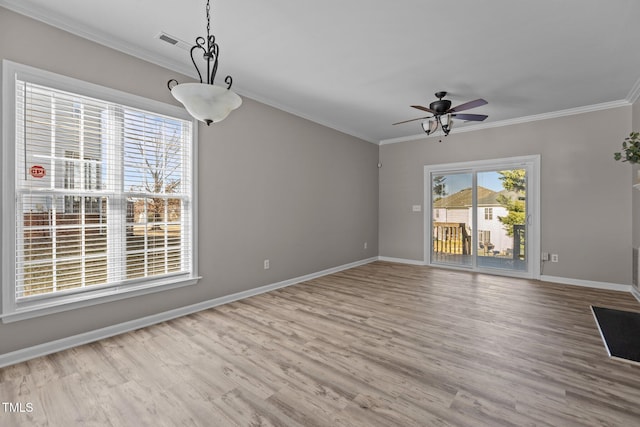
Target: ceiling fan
x=443 y=113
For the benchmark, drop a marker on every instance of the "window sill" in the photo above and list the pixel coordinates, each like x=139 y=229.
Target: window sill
x=31 y=309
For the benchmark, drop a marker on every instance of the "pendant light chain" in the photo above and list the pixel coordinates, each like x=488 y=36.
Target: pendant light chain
x=205 y=101
x=208 y=19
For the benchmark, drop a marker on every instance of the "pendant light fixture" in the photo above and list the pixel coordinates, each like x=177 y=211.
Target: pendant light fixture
x=206 y=101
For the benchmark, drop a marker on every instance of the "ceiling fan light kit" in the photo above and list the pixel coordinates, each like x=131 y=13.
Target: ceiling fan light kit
x=444 y=121
x=443 y=114
x=206 y=101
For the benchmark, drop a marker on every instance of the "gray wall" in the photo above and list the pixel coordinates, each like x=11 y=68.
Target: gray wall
x=635 y=179
x=272 y=185
x=585 y=195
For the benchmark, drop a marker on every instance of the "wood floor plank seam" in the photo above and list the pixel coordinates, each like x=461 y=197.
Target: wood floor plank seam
x=381 y=344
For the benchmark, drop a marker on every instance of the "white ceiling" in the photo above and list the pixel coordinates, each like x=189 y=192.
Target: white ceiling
x=357 y=65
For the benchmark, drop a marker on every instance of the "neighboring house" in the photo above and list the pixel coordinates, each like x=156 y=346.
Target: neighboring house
x=456 y=209
x=75 y=162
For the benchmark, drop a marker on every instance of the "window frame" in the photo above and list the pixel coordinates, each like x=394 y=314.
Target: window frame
x=13 y=310
x=488 y=214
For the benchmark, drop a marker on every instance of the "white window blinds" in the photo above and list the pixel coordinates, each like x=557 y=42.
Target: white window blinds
x=103 y=194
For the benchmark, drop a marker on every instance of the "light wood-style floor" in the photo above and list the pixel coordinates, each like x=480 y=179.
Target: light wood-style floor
x=379 y=345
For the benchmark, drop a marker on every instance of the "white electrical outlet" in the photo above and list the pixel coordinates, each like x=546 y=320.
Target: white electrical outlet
x=544 y=256
x=266 y=264
x=365 y=245
x=554 y=257
x=416 y=208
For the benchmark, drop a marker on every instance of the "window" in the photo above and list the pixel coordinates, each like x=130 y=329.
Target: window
x=101 y=189
x=484 y=237
x=92 y=178
x=488 y=213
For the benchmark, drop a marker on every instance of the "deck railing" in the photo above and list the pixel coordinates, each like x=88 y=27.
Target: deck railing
x=451 y=238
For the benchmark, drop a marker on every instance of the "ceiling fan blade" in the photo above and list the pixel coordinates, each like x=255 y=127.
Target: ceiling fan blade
x=470 y=117
x=428 y=110
x=468 y=105
x=412 y=120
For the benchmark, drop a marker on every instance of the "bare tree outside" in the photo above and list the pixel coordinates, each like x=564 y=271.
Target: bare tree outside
x=154 y=169
x=159 y=172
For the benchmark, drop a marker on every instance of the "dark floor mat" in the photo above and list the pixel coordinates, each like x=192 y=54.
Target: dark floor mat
x=620 y=332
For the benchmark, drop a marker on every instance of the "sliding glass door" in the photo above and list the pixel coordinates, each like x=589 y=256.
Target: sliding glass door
x=452 y=199
x=480 y=215
x=502 y=219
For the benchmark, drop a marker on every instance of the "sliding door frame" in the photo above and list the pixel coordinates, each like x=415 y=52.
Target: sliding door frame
x=532 y=163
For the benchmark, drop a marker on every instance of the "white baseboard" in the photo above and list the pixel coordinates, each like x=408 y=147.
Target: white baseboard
x=109 y=331
x=400 y=260
x=586 y=283
x=544 y=278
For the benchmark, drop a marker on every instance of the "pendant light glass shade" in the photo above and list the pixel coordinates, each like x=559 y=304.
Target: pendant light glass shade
x=206 y=102
x=430 y=126
x=444 y=121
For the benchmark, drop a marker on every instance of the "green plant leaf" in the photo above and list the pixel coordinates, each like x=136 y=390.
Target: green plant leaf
x=630 y=149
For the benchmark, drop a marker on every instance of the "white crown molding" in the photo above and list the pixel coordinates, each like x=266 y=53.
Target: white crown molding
x=634 y=93
x=88 y=33
x=291 y=111
x=80 y=30
x=525 y=119
x=415 y=137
